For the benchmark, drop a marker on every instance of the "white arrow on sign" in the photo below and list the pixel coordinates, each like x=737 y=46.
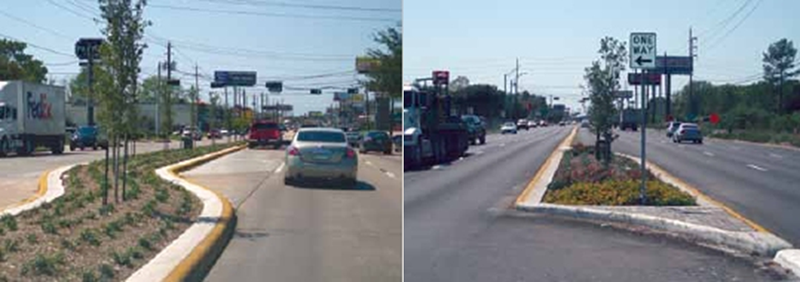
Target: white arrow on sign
x=643 y=50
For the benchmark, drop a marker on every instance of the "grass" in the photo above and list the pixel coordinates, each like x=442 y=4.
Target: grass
x=760 y=137
x=583 y=180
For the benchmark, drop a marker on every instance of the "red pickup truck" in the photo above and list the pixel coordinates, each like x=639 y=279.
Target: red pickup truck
x=265 y=133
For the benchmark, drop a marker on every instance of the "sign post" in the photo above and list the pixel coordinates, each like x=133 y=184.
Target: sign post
x=643 y=57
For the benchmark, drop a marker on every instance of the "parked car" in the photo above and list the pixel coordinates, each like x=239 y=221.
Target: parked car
x=224 y=132
x=214 y=134
x=320 y=153
x=671 y=127
x=263 y=133
x=353 y=138
x=532 y=124
x=193 y=133
x=585 y=123
x=376 y=141
x=522 y=124
x=543 y=123
x=475 y=129
x=562 y=123
x=687 y=132
x=87 y=136
x=508 y=127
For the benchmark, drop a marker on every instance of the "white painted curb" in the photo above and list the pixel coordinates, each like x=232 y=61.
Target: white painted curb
x=747 y=242
x=158 y=268
x=789 y=259
x=55 y=189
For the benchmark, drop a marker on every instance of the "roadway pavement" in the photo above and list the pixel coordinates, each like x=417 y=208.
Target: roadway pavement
x=287 y=233
x=760 y=182
x=19 y=175
x=459 y=227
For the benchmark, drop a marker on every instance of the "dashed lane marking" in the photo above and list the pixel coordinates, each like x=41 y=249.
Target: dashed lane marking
x=280 y=167
x=756 y=167
x=707 y=153
x=775 y=156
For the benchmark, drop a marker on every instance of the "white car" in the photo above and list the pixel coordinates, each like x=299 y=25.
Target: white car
x=532 y=124
x=508 y=127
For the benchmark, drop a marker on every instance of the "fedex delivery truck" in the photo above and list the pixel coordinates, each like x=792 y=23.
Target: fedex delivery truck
x=31 y=115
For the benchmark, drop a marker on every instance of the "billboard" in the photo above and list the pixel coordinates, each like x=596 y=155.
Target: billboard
x=235 y=78
x=367 y=64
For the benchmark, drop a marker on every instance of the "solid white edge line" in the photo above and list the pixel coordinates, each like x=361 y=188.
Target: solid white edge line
x=280 y=167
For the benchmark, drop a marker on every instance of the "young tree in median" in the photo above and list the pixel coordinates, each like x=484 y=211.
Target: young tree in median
x=779 y=65
x=121 y=55
x=213 y=111
x=602 y=79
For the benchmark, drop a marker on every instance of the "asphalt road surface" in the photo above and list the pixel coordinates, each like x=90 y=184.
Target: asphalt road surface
x=19 y=175
x=317 y=233
x=458 y=228
x=760 y=182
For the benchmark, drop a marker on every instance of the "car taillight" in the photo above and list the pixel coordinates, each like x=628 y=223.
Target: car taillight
x=681 y=132
x=293 y=151
x=351 y=153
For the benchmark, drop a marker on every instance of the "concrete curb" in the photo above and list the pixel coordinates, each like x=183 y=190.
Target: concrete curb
x=760 y=242
x=789 y=259
x=50 y=188
x=192 y=254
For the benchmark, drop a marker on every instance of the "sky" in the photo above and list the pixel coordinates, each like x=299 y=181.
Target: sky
x=556 y=40
x=279 y=39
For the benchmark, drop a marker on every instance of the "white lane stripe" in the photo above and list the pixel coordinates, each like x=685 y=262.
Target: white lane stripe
x=756 y=167
x=775 y=156
x=707 y=153
x=368 y=162
x=280 y=167
x=436 y=167
x=390 y=175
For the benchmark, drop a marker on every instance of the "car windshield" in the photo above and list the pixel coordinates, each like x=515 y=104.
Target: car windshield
x=263 y=126
x=377 y=134
x=321 y=136
x=508 y=124
x=87 y=130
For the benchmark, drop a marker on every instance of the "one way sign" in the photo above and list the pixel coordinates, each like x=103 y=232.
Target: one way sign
x=643 y=50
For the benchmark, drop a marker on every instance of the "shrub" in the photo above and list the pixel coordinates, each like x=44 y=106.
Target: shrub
x=619 y=193
x=32 y=238
x=135 y=253
x=106 y=210
x=121 y=258
x=11 y=245
x=89 y=276
x=150 y=208
x=10 y=222
x=106 y=271
x=144 y=242
x=2 y=255
x=48 y=227
x=161 y=195
x=90 y=236
x=67 y=244
x=43 y=265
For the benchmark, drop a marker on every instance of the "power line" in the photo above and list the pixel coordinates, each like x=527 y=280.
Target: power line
x=53 y=32
x=720 y=39
x=266 y=14
x=38 y=47
x=73 y=11
x=307 y=6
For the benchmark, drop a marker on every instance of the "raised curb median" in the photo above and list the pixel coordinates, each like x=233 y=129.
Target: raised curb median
x=50 y=188
x=757 y=242
x=191 y=255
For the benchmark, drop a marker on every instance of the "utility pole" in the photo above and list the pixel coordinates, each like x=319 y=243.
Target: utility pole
x=193 y=103
x=158 y=97
x=366 y=96
x=692 y=55
x=227 y=114
x=90 y=108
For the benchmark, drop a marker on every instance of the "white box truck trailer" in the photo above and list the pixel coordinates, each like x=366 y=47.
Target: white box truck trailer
x=31 y=115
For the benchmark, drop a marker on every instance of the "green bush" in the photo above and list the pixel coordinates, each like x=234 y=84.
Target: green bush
x=106 y=271
x=32 y=239
x=48 y=227
x=89 y=276
x=106 y=210
x=11 y=245
x=618 y=193
x=121 y=258
x=90 y=236
x=144 y=242
x=9 y=221
x=43 y=265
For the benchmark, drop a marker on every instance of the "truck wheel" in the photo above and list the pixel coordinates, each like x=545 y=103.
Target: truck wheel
x=3 y=148
x=483 y=139
x=58 y=149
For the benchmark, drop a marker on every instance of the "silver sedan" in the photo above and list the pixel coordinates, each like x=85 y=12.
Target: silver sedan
x=320 y=153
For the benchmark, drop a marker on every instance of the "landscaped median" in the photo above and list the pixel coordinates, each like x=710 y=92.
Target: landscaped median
x=73 y=236
x=573 y=183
